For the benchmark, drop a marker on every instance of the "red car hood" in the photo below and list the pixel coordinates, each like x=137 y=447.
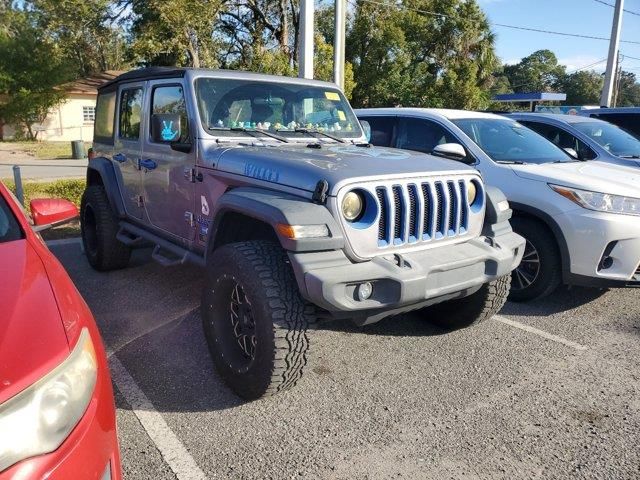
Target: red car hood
x=32 y=336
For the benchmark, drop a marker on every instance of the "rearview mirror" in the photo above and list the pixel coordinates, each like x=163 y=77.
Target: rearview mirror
x=453 y=151
x=366 y=128
x=166 y=127
x=47 y=212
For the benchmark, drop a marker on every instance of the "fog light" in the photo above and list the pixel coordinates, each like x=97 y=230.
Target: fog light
x=364 y=291
x=607 y=262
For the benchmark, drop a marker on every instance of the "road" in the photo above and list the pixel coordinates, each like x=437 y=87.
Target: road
x=547 y=390
x=38 y=169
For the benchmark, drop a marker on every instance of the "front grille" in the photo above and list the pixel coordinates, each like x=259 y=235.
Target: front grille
x=411 y=213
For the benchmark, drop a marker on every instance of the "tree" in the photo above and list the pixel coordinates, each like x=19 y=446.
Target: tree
x=404 y=56
x=30 y=69
x=629 y=90
x=538 y=72
x=582 y=88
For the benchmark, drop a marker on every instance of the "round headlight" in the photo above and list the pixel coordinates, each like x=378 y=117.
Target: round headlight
x=352 y=206
x=472 y=192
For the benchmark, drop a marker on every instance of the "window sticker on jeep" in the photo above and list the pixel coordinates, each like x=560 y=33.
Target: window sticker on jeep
x=332 y=96
x=168 y=133
x=263 y=173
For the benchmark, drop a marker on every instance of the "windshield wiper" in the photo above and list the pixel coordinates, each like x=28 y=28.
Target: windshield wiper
x=511 y=162
x=629 y=156
x=315 y=132
x=251 y=131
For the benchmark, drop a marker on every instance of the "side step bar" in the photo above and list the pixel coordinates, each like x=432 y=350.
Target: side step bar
x=165 y=253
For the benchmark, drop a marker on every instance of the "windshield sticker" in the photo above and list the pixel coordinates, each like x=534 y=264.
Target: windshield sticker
x=332 y=96
x=262 y=173
x=342 y=116
x=168 y=133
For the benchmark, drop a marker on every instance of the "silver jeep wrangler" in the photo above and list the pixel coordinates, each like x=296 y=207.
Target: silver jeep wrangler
x=270 y=184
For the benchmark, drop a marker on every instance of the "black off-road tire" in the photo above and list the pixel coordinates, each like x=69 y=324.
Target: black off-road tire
x=99 y=227
x=278 y=313
x=549 y=275
x=471 y=310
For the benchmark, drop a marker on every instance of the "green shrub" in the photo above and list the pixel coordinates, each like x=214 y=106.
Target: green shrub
x=68 y=189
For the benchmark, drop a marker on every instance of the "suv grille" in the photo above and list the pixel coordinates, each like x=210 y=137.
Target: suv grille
x=411 y=213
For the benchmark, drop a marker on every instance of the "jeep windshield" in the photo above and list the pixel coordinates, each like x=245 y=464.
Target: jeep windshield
x=614 y=139
x=235 y=108
x=506 y=141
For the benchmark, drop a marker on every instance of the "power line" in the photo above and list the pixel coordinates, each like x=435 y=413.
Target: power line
x=504 y=25
x=613 y=6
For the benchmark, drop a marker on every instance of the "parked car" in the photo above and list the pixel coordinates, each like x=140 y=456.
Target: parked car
x=268 y=182
x=57 y=414
x=580 y=219
x=585 y=138
x=624 y=117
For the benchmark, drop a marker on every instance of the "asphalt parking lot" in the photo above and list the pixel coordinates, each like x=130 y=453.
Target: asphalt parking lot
x=545 y=390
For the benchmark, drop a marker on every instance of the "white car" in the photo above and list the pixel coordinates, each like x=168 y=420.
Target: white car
x=581 y=219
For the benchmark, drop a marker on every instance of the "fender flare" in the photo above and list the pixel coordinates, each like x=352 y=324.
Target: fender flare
x=105 y=169
x=273 y=208
x=548 y=220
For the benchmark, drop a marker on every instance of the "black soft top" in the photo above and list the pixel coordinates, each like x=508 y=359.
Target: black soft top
x=148 y=73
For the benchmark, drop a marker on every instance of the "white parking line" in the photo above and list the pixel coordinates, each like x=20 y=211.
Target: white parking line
x=541 y=333
x=172 y=450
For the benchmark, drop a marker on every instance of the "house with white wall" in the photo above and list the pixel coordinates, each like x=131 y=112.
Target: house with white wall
x=73 y=119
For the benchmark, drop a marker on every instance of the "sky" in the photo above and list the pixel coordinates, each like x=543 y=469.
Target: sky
x=585 y=17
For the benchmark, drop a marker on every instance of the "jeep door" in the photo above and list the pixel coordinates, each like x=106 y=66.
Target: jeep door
x=166 y=171
x=127 y=146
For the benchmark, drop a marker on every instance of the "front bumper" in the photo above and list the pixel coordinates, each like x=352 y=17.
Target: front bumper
x=91 y=450
x=591 y=236
x=405 y=281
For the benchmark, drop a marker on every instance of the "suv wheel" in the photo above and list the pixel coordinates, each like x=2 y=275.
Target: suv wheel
x=471 y=310
x=540 y=272
x=99 y=227
x=254 y=319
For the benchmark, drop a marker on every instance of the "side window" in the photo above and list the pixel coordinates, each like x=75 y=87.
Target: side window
x=562 y=139
x=130 y=110
x=381 y=130
x=170 y=99
x=628 y=121
x=422 y=135
x=104 y=117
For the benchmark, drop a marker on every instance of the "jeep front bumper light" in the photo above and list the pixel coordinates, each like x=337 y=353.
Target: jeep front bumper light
x=600 y=202
x=40 y=418
x=296 y=232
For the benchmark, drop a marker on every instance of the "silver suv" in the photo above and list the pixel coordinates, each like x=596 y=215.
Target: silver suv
x=269 y=184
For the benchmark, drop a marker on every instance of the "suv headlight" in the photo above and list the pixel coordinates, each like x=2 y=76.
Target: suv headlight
x=38 y=419
x=352 y=206
x=601 y=202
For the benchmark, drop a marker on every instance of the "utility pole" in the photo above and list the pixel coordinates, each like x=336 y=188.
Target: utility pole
x=305 y=69
x=618 y=80
x=610 y=75
x=339 y=43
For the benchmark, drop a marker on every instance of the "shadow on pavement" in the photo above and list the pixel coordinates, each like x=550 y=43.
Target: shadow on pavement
x=561 y=300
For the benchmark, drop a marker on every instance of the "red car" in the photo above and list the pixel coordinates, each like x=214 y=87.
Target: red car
x=57 y=414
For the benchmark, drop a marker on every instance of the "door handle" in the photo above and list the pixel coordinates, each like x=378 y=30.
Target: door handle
x=120 y=157
x=148 y=164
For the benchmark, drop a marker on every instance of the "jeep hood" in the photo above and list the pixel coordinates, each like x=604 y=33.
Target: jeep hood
x=590 y=175
x=302 y=167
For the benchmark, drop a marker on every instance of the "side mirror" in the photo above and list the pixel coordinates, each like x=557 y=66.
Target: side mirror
x=166 y=127
x=453 y=151
x=366 y=128
x=47 y=212
x=572 y=152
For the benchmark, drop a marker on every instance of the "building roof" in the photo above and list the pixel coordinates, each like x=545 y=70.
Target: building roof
x=530 y=97
x=90 y=85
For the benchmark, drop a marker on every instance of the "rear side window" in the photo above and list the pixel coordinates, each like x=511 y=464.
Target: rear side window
x=170 y=99
x=9 y=227
x=381 y=130
x=130 y=113
x=628 y=121
x=105 y=117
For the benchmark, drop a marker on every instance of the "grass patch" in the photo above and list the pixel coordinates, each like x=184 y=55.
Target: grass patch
x=48 y=150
